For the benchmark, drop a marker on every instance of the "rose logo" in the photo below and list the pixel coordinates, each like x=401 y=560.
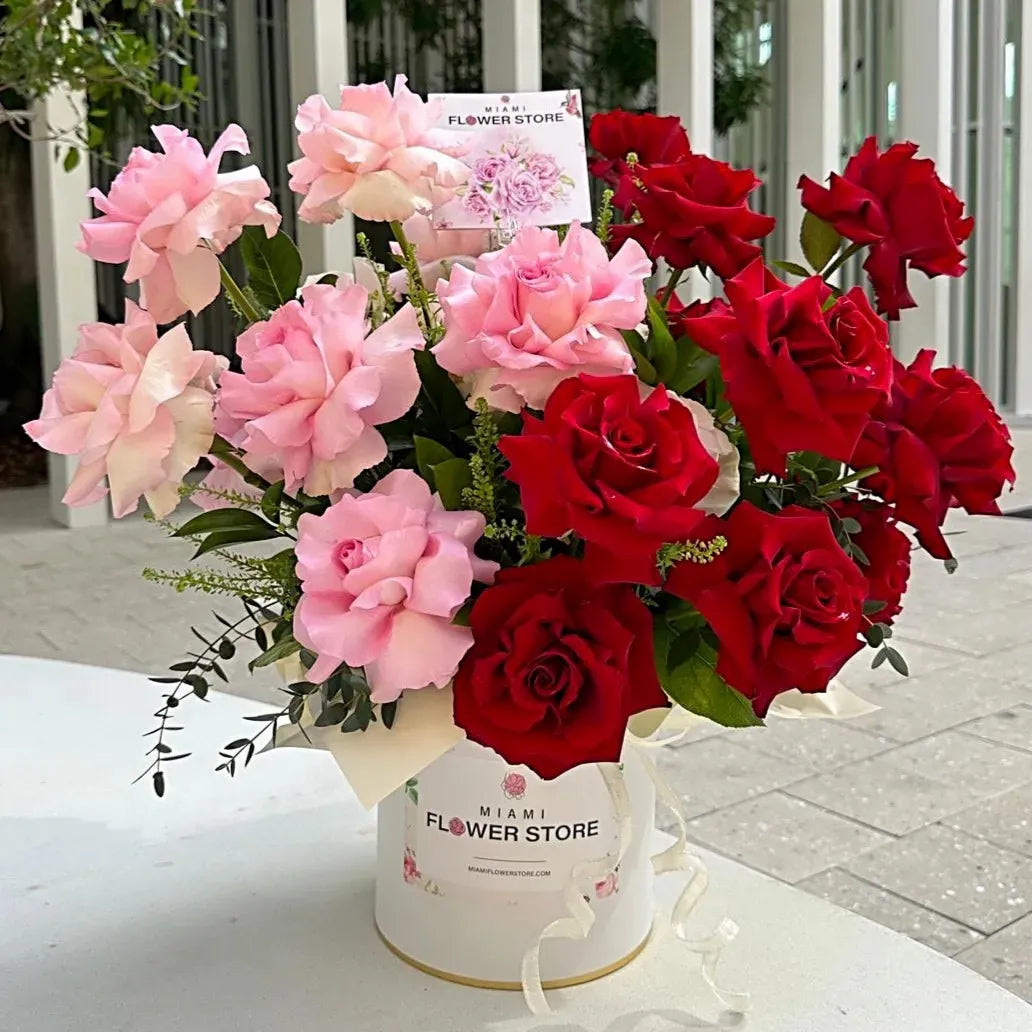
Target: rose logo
x=514 y=786
x=456 y=826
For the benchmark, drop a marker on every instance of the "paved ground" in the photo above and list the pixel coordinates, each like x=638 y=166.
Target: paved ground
x=918 y=816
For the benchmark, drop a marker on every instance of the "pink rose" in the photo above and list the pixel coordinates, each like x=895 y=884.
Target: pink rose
x=410 y=869
x=313 y=387
x=517 y=192
x=544 y=169
x=437 y=250
x=382 y=575
x=477 y=203
x=538 y=311
x=514 y=786
x=486 y=170
x=170 y=214
x=135 y=408
x=456 y=826
x=609 y=886
x=376 y=155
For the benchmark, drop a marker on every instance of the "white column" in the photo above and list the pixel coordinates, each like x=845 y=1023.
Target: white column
x=684 y=87
x=684 y=66
x=319 y=64
x=512 y=45
x=1022 y=332
x=811 y=41
x=67 y=287
x=926 y=117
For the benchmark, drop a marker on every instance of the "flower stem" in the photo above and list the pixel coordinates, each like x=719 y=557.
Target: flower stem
x=853 y=478
x=671 y=286
x=239 y=298
x=416 y=286
x=841 y=259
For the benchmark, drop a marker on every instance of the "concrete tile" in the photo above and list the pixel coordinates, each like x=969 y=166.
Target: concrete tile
x=914 y=707
x=922 y=660
x=718 y=772
x=852 y=893
x=985 y=767
x=1005 y=820
x=1005 y=957
x=820 y=745
x=1011 y=727
x=977 y=632
x=782 y=836
x=877 y=793
x=962 y=593
x=962 y=877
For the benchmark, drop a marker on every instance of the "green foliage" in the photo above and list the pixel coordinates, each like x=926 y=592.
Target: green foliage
x=819 y=240
x=120 y=55
x=273 y=266
x=485 y=465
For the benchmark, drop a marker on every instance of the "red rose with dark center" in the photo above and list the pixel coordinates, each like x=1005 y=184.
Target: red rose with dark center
x=623 y=140
x=898 y=205
x=679 y=315
x=938 y=442
x=783 y=598
x=625 y=473
x=800 y=377
x=558 y=665
x=693 y=213
x=886 y=550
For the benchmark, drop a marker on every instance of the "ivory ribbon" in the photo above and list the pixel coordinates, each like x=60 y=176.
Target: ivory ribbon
x=577 y=922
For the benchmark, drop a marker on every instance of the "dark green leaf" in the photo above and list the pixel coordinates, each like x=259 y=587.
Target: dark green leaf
x=694 y=365
x=662 y=350
x=271 y=501
x=227 y=650
x=279 y=650
x=850 y=525
x=429 y=454
x=898 y=663
x=793 y=267
x=71 y=159
x=222 y=538
x=644 y=369
x=661 y=637
x=261 y=639
x=447 y=407
x=237 y=743
x=875 y=635
x=951 y=565
x=880 y=656
x=388 y=711
x=819 y=240
x=162 y=748
x=872 y=606
x=334 y=713
x=187 y=664
x=159 y=783
x=700 y=689
x=684 y=646
x=221 y=519
x=219 y=672
x=451 y=477
x=273 y=266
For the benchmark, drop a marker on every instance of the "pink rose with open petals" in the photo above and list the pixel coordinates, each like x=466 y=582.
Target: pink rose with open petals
x=135 y=408
x=314 y=387
x=168 y=215
x=376 y=155
x=382 y=575
x=437 y=250
x=538 y=311
x=518 y=191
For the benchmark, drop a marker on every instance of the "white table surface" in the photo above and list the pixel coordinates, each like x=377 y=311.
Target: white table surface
x=247 y=904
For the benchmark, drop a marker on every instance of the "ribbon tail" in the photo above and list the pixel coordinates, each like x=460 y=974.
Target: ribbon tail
x=579 y=918
x=679 y=857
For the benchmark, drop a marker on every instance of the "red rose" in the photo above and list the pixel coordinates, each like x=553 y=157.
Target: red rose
x=937 y=443
x=897 y=204
x=886 y=555
x=800 y=377
x=695 y=212
x=645 y=139
x=623 y=472
x=558 y=665
x=679 y=315
x=784 y=600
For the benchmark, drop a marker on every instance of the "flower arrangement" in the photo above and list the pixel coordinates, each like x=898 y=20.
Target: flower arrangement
x=524 y=477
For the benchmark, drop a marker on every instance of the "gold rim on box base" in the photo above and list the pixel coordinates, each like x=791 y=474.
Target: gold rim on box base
x=480 y=983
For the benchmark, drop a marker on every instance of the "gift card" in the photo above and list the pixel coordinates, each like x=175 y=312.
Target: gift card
x=528 y=165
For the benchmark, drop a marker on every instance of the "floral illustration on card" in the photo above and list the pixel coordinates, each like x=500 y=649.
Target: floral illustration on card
x=513 y=182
